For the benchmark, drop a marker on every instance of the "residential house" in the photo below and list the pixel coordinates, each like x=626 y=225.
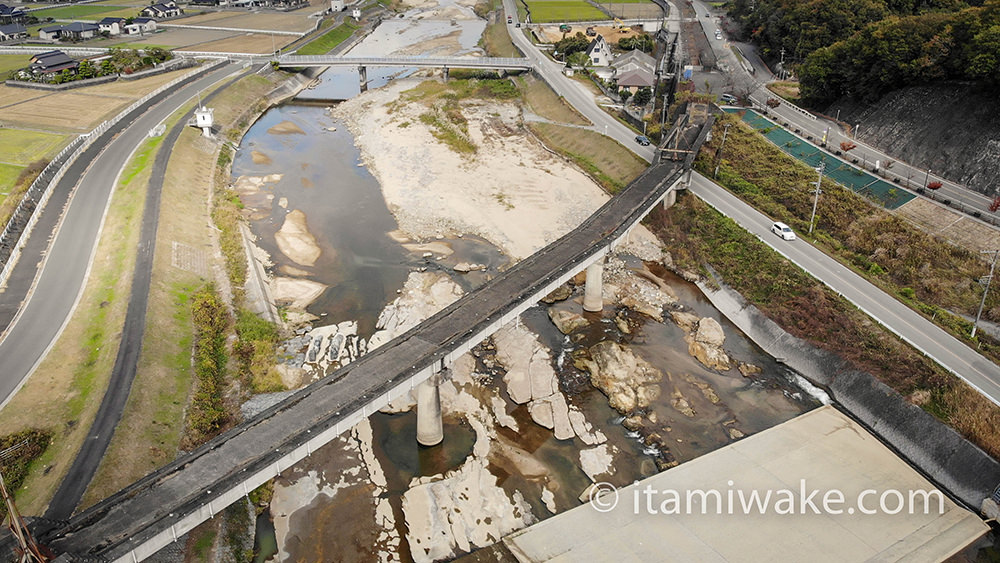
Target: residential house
x=52 y=62
x=12 y=31
x=50 y=33
x=634 y=70
x=599 y=52
x=141 y=25
x=112 y=25
x=78 y=31
x=11 y=14
x=161 y=10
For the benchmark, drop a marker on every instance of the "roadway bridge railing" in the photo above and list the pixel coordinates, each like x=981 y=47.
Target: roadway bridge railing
x=149 y=514
x=402 y=61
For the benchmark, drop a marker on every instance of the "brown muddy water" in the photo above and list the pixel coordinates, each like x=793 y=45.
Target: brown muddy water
x=363 y=267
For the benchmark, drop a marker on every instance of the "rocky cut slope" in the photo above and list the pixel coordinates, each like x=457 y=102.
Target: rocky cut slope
x=953 y=129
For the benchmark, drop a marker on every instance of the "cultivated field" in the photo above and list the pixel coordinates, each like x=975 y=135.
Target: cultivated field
x=248 y=43
x=12 y=62
x=637 y=9
x=563 y=10
x=86 y=11
x=264 y=22
x=178 y=38
x=35 y=109
x=21 y=148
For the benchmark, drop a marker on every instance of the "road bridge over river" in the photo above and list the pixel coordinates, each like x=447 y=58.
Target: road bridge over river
x=156 y=510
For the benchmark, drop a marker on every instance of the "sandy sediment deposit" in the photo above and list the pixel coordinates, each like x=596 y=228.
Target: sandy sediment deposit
x=512 y=191
x=295 y=241
x=296 y=293
x=259 y=157
x=286 y=128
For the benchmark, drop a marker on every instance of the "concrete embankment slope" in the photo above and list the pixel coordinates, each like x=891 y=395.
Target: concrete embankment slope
x=941 y=453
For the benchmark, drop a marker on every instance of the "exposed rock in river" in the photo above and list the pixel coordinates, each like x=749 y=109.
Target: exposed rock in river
x=295 y=241
x=629 y=381
x=567 y=321
x=706 y=345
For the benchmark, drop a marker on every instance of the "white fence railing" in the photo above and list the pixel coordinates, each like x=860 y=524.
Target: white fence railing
x=41 y=189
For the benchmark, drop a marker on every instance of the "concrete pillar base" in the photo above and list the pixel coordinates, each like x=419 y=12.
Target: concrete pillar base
x=363 y=78
x=445 y=74
x=593 y=300
x=430 y=426
x=670 y=199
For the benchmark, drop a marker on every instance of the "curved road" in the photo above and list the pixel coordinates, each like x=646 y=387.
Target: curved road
x=66 y=265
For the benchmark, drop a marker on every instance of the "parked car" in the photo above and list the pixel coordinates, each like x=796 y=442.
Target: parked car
x=510 y=20
x=718 y=35
x=783 y=230
x=728 y=99
x=642 y=140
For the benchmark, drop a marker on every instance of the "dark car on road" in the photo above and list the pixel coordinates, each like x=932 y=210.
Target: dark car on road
x=642 y=140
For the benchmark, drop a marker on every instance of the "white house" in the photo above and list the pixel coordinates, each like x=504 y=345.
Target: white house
x=599 y=52
x=50 y=33
x=12 y=31
x=140 y=26
x=162 y=10
x=114 y=26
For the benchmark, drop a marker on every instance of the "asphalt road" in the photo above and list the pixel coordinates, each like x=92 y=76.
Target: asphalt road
x=940 y=346
x=575 y=93
x=943 y=348
x=910 y=176
x=67 y=262
x=86 y=463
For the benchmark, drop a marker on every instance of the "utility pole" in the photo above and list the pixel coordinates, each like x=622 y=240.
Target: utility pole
x=718 y=156
x=986 y=291
x=857 y=129
x=927 y=177
x=819 y=180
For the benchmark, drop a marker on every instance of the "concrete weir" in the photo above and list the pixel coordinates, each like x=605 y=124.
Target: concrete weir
x=822 y=450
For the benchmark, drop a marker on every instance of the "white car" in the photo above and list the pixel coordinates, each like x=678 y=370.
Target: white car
x=783 y=231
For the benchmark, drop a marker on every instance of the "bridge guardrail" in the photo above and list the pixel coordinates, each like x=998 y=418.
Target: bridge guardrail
x=42 y=187
x=486 y=62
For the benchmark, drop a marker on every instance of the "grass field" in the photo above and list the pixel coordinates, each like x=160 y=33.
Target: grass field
x=24 y=147
x=75 y=12
x=496 y=41
x=604 y=159
x=12 y=62
x=563 y=10
x=8 y=174
x=324 y=43
x=543 y=101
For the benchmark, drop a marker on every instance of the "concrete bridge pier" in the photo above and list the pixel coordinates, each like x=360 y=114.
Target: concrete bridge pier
x=670 y=199
x=430 y=427
x=592 y=299
x=444 y=72
x=363 y=78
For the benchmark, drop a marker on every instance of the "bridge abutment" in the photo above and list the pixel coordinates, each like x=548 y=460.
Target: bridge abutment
x=430 y=426
x=592 y=293
x=363 y=78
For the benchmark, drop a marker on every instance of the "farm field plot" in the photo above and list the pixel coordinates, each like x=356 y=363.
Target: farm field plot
x=563 y=10
x=18 y=147
x=634 y=10
x=12 y=62
x=551 y=33
x=177 y=38
x=263 y=22
x=10 y=96
x=119 y=3
x=8 y=175
x=248 y=43
x=73 y=12
x=91 y=105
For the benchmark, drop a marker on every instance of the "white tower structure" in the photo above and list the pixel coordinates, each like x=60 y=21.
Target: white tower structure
x=204 y=119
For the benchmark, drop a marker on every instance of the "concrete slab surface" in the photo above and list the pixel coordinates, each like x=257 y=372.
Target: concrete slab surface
x=661 y=518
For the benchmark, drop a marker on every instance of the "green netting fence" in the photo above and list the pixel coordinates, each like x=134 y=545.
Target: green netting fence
x=888 y=194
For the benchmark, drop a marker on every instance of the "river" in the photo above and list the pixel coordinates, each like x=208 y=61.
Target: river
x=352 y=490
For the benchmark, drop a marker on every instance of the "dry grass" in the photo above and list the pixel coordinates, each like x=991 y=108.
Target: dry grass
x=948 y=224
x=10 y=96
x=496 y=41
x=543 y=101
x=608 y=162
x=89 y=106
x=263 y=22
x=153 y=421
x=180 y=38
x=66 y=389
x=788 y=90
x=255 y=43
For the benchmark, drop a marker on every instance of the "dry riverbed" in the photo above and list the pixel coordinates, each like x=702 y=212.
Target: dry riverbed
x=524 y=432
